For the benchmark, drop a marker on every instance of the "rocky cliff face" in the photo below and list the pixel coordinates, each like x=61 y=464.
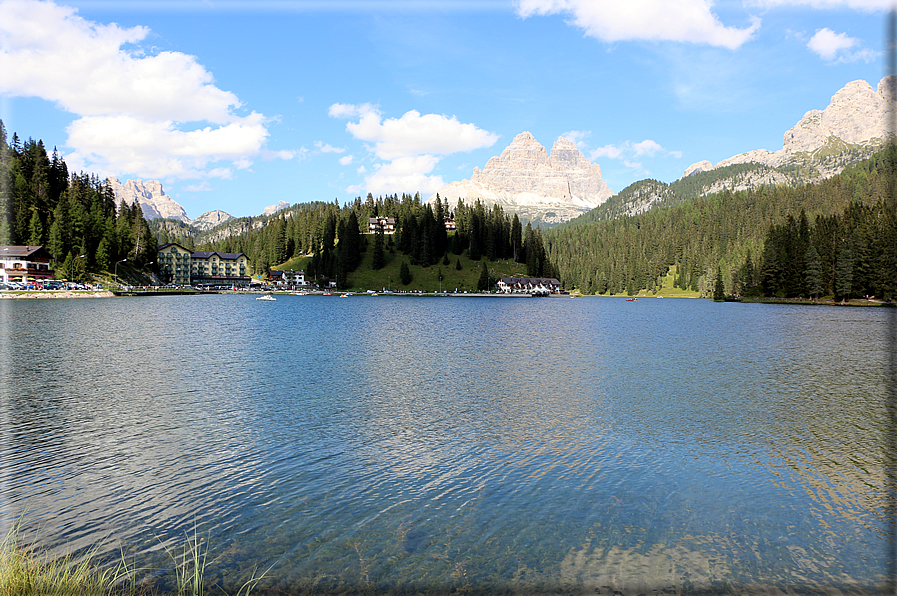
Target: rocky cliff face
x=537 y=186
x=272 y=209
x=855 y=124
x=153 y=200
x=209 y=220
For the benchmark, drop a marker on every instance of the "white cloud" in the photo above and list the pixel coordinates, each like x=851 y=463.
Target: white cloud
x=607 y=151
x=652 y=20
x=827 y=43
x=361 y=170
x=831 y=46
x=412 y=145
x=132 y=106
x=326 y=148
x=628 y=149
x=865 y=5
x=348 y=110
x=414 y=134
x=405 y=174
x=284 y=154
x=578 y=137
x=158 y=149
x=203 y=186
x=346 y=160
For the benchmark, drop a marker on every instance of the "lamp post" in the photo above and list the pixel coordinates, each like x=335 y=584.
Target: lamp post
x=116 y=271
x=72 y=275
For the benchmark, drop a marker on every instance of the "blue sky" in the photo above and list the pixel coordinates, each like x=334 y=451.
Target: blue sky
x=237 y=105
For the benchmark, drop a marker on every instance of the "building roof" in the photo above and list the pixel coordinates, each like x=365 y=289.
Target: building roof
x=545 y=281
x=205 y=254
x=164 y=246
x=23 y=251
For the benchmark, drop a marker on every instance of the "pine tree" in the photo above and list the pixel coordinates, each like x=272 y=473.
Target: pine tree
x=378 y=257
x=102 y=258
x=812 y=277
x=405 y=274
x=844 y=274
x=516 y=238
x=719 y=291
x=35 y=230
x=483 y=283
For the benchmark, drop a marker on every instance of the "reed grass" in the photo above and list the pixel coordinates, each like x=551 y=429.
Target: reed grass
x=26 y=570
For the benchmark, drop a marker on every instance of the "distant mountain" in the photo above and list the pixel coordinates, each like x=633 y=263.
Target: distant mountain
x=851 y=129
x=538 y=187
x=272 y=209
x=158 y=205
x=209 y=220
x=823 y=142
x=153 y=200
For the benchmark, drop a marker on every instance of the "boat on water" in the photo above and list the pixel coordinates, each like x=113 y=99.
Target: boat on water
x=632 y=300
x=267 y=298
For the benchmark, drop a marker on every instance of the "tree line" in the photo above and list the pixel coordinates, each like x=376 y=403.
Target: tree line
x=335 y=238
x=758 y=240
x=73 y=215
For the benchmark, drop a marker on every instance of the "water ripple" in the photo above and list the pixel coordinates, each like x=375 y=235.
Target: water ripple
x=403 y=444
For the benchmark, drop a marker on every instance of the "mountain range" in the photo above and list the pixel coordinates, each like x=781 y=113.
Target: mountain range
x=156 y=204
x=539 y=187
x=550 y=188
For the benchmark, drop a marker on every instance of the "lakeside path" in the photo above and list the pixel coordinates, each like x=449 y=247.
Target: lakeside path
x=57 y=294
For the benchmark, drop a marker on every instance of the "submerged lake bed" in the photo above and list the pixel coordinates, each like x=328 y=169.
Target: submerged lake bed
x=400 y=445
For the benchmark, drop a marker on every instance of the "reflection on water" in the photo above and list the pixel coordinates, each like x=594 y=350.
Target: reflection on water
x=405 y=445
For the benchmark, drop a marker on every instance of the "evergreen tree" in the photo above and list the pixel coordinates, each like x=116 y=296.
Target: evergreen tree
x=516 y=239
x=102 y=258
x=35 y=230
x=812 y=277
x=405 y=274
x=378 y=257
x=844 y=274
x=719 y=292
x=458 y=265
x=483 y=284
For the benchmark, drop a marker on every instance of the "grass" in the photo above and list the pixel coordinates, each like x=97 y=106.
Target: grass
x=425 y=279
x=666 y=290
x=26 y=570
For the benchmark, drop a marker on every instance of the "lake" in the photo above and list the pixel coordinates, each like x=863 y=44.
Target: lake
x=419 y=445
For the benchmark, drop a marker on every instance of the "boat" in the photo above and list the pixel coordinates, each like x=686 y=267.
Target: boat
x=632 y=300
x=267 y=297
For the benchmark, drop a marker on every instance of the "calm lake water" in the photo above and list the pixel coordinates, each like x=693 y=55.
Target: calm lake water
x=429 y=446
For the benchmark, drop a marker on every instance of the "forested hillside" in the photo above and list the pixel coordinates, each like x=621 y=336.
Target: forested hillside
x=73 y=215
x=759 y=240
x=335 y=237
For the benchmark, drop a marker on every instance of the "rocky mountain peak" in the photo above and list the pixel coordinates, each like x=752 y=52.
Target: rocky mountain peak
x=525 y=180
x=272 y=209
x=209 y=220
x=857 y=116
x=153 y=200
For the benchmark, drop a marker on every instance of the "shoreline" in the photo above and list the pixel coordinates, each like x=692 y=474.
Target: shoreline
x=53 y=294
x=69 y=294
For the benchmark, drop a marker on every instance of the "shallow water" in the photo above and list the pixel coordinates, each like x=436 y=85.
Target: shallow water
x=424 y=445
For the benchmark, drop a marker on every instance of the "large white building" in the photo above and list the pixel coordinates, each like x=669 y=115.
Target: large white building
x=24 y=263
x=182 y=266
